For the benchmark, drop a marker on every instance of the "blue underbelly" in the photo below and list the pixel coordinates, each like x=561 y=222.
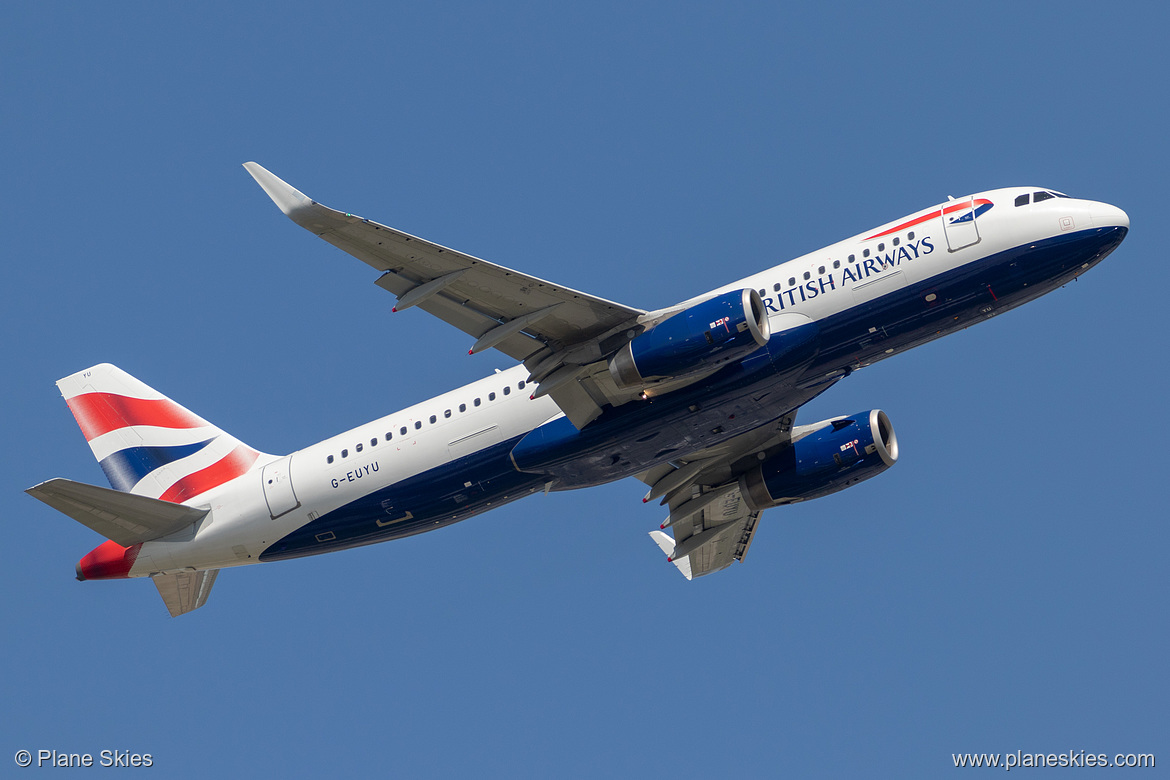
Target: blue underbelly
x=943 y=304
x=432 y=499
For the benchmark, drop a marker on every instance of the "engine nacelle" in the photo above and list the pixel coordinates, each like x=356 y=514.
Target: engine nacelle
x=699 y=339
x=843 y=453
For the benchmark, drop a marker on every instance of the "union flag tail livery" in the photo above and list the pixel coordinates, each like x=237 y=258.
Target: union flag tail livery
x=146 y=443
x=156 y=455
x=698 y=400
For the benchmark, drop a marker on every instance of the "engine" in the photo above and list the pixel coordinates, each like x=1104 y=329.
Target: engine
x=846 y=451
x=696 y=340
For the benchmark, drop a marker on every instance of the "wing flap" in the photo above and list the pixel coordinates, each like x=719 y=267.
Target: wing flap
x=125 y=518
x=473 y=322
x=498 y=292
x=575 y=401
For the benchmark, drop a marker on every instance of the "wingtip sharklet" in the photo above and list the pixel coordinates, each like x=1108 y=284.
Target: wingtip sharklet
x=287 y=197
x=666 y=544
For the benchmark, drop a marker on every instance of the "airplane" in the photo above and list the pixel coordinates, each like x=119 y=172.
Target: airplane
x=697 y=400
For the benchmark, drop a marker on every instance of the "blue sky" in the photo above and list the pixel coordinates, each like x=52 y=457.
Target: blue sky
x=1003 y=588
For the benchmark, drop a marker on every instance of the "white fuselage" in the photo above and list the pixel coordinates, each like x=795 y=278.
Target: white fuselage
x=814 y=287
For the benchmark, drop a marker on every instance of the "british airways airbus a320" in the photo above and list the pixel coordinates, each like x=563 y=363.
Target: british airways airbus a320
x=697 y=400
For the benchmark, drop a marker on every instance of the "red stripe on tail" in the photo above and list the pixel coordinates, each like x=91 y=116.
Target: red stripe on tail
x=98 y=413
x=227 y=468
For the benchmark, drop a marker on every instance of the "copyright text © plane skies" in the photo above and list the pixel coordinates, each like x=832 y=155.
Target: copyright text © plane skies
x=697 y=400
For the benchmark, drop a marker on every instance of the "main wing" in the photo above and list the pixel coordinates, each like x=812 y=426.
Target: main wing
x=560 y=334
x=712 y=538
x=712 y=525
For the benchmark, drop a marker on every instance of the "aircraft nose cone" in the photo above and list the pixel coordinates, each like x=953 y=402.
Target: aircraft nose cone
x=1105 y=215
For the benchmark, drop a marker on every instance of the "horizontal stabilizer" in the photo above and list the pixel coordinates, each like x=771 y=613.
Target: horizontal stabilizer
x=125 y=518
x=186 y=590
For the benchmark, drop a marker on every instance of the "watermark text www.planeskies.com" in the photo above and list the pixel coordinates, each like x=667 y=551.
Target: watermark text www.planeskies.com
x=1071 y=758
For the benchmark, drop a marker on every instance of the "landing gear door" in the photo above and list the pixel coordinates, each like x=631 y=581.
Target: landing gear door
x=959 y=224
x=278 y=487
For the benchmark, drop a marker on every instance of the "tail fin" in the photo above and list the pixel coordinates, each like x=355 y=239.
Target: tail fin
x=146 y=443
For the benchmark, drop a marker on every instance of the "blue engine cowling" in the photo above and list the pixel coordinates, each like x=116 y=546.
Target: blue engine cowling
x=848 y=451
x=707 y=335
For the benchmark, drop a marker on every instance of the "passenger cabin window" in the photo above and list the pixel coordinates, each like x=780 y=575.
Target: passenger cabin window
x=807 y=274
x=1023 y=200
x=881 y=247
x=463 y=407
x=865 y=253
x=491 y=396
x=776 y=287
x=836 y=263
x=389 y=436
x=895 y=240
x=910 y=236
x=447 y=413
x=853 y=258
x=358 y=448
x=345 y=453
x=792 y=281
x=1039 y=196
x=329 y=459
x=821 y=270
x=507 y=389
x=417 y=424
x=520 y=386
x=402 y=431
x=433 y=419
x=476 y=402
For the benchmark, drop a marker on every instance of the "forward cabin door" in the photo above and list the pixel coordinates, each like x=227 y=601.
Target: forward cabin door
x=278 y=487
x=959 y=224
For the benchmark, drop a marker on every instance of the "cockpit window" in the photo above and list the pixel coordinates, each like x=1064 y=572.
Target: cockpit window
x=1036 y=197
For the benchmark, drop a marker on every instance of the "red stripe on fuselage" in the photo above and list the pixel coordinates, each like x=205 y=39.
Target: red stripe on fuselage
x=98 y=413
x=227 y=468
x=965 y=204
